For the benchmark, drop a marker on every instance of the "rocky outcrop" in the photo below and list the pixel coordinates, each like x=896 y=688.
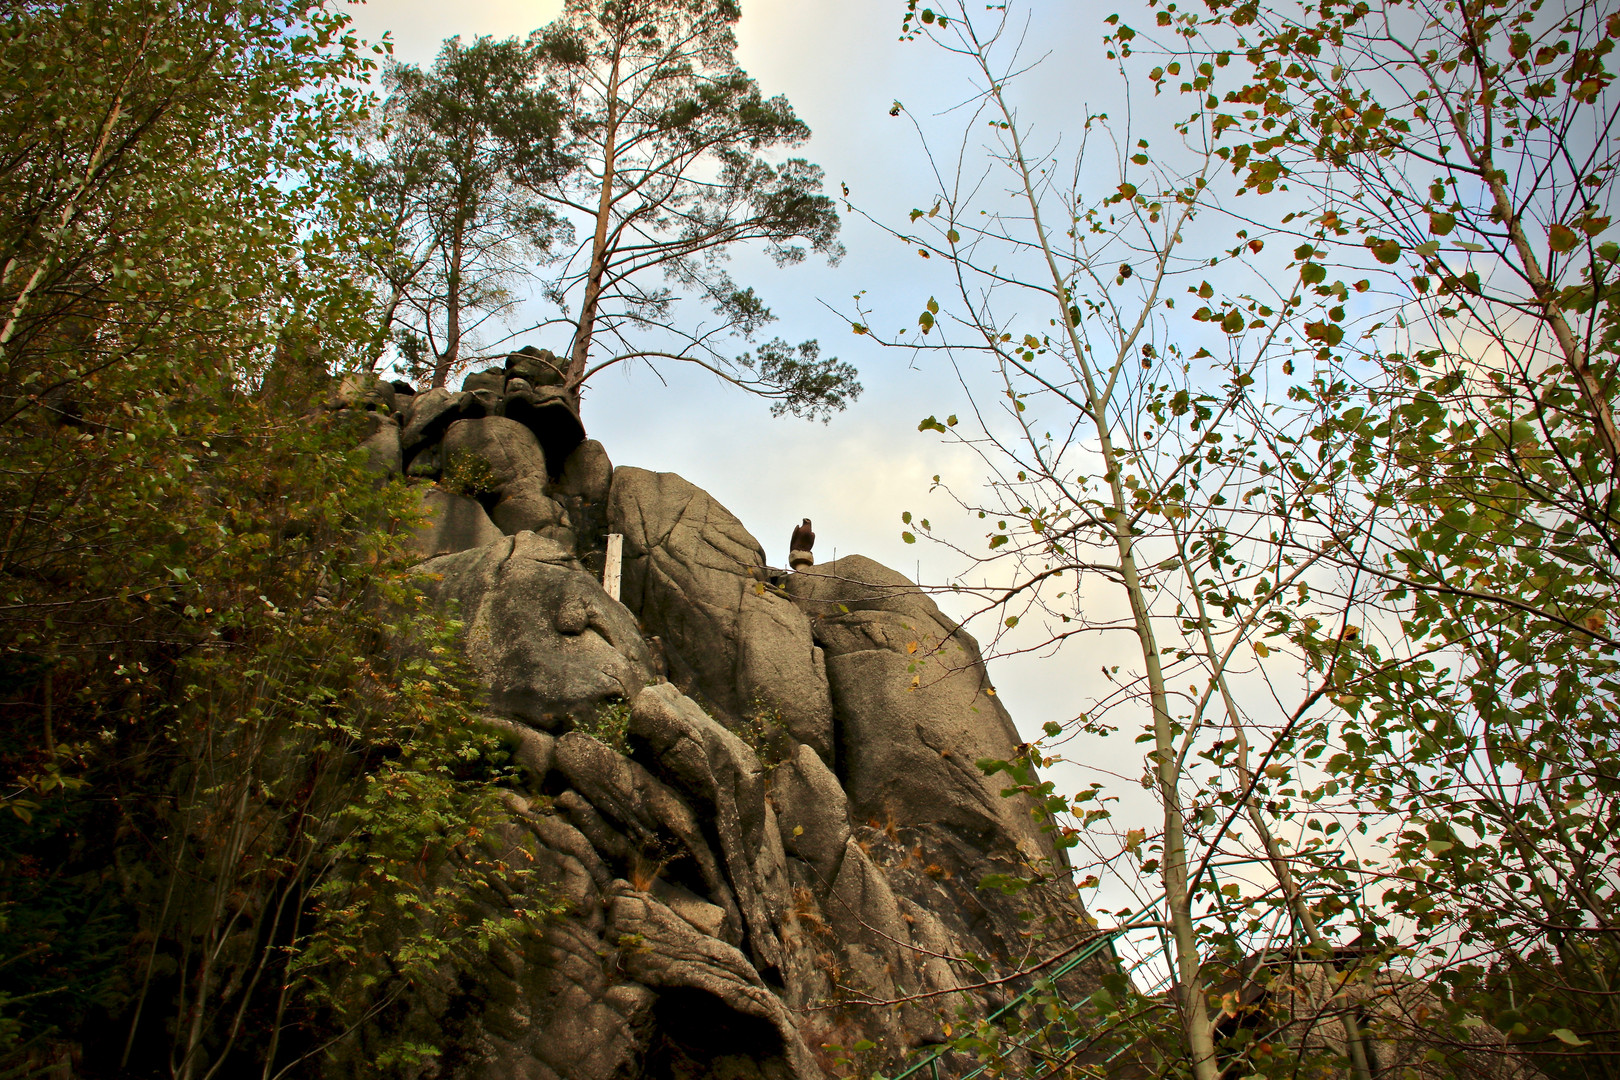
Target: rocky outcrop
x=753 y=795
x=451 y=523
x=915 y=708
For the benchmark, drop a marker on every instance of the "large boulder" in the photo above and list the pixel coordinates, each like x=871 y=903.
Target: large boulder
x=551 y=646
x=582 y=489
x=381 y=448
x=697 y=579
x=722 y=772
x=662 y=834
x=359 y=390
x=430 y=414
x=537 y=367
x=493 y=379
x=813 y=813
x=492 y=453
x=716 y=1017
x=525 y=506
x=552 y=413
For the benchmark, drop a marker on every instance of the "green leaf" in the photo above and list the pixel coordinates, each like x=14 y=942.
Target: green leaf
x=1387 y=252
x=1568 y=1037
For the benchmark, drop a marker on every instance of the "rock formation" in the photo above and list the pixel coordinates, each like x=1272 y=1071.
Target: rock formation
x=756 y=792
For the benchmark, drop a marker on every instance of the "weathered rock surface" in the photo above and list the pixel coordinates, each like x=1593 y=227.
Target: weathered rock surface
x=697 y=578
x=525 y=506
x=381 y=447
x=430 y=414
x=538 y=367
x=497 y=450
x=548 y=641
x=453 y=523
x=553 y=415
x=749 y=854
x=916 y=711
x=582 y=490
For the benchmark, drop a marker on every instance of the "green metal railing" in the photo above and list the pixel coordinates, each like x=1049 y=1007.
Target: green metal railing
x=1148 y=918
x=1103 y=941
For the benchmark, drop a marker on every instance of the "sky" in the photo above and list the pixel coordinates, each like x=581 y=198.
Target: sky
x=842 y=66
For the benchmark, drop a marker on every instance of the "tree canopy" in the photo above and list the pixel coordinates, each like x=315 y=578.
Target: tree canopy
x=459 y=231
x=665 y=162
x=210 y=720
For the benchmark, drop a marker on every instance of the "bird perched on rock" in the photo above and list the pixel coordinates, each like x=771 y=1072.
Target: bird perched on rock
x=803 y=538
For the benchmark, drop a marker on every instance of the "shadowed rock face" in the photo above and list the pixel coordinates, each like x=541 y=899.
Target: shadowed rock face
x=761 y=812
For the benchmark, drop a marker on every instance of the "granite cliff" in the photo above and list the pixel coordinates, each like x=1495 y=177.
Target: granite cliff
x=756 y=792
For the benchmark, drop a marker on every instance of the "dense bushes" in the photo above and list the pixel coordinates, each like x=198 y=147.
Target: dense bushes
x=228 y=783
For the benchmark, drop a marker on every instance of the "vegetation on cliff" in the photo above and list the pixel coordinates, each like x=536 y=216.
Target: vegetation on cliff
x=221 y=774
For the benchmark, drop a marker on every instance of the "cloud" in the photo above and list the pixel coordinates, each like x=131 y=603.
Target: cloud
x=419 y=27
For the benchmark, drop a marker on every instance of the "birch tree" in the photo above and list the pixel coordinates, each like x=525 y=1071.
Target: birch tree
x=1132 y=471
x=1389 y=459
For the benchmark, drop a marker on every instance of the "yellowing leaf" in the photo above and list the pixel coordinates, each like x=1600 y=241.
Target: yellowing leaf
x=1560 y=238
